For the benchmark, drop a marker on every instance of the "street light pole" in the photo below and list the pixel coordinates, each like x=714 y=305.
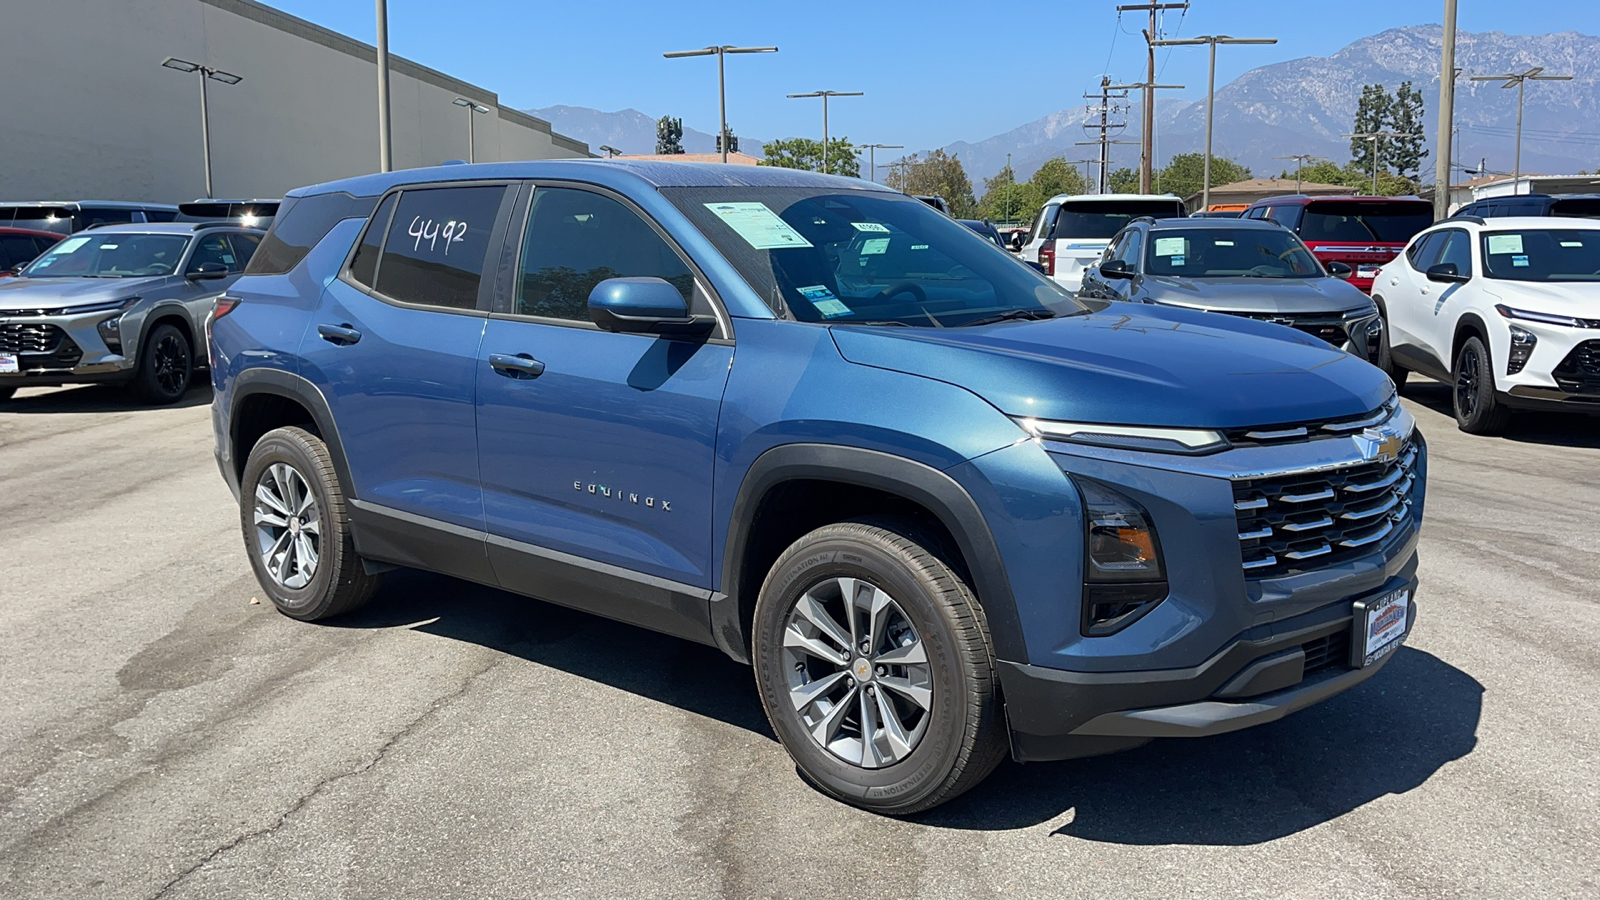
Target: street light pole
x=1447 y=111
x=385 y=147
x=473 y=109
x=825 y=95
x=206 y=73
x=1211 y=93
x=722 y=82
x=1519 y=79
x=1300 y=160
x=872 y=156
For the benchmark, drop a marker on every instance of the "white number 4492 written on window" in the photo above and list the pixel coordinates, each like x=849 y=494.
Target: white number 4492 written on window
x=451 y=232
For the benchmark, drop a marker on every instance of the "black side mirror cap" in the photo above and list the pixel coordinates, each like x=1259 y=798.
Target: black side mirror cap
x=207 y=272
x=1117 y=268
x=1447 y=273
x=1340 y=270
x=644 y=306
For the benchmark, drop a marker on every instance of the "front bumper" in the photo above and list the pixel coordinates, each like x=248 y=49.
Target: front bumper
x=1260 y=677
x=54 y=350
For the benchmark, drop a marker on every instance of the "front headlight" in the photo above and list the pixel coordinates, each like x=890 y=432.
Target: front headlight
x=1529 y=315
x=1191 y=441
x=1124 y=577
x=103 y=306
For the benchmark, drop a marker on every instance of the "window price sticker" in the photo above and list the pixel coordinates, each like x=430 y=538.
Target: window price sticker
x=759 y=226
x=824 y=300
x=1505 y=243
x=1169 y=246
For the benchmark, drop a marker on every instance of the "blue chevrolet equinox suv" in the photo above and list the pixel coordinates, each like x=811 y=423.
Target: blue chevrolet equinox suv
x=943 y=508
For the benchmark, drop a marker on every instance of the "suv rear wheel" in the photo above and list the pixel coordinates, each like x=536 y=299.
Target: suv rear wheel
x=166 y=363
x=874 y=665
x=297 y=528
x=1477 y=407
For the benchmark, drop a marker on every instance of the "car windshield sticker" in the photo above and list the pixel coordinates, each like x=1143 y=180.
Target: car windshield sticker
x=919 y=246
x=826 y=303
x=1177 y=260
x=874 y=246
x=1170 y=246
x=1519 y=261
x=1572 y=243
x=870 y=226
x=109 y=246
x=68 y=245
x=1222 y=243
x=1505 y=243
x=759 y=226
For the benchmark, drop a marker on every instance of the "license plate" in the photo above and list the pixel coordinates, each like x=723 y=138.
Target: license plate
x=1367 y=271
x=1380 y=625
x=8 y=364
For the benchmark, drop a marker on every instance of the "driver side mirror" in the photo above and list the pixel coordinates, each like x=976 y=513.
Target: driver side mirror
x=1447 y=273
x=1340 y=270
x=644 y=306
x=1117 y=268
x=208 y=271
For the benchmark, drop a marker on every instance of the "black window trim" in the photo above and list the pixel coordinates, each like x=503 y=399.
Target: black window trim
x=516 y=234
x=1421 y=238
x=486 y=282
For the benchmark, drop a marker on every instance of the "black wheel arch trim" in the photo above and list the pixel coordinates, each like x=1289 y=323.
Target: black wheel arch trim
x=917 y=482
x=276 y=382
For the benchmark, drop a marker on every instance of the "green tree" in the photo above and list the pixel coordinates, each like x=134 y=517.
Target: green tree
x=1405 y=154
x=1003 y=198
x=669 y=136
x=1123 y=181
x=938 y=174
x=1354 y=177
x=805 y=153
x=1185 y=173
x=1373 y=113
x=1057 y=176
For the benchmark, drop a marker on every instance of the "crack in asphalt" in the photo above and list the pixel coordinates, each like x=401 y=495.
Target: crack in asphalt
x=438 y=704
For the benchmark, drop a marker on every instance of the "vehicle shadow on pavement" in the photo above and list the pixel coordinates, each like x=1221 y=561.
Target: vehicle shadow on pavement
x=94 y=398
x=1386 y=736
x=1554 y=429
x=689 y=676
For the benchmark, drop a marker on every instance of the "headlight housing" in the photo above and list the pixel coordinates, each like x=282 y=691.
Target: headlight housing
x=1191 y=441
x=103 y=306
x=1528 y=315
x=1124 y=576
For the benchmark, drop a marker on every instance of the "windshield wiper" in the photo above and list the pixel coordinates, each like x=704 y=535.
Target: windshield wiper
x=877 y=322
x=1009 y=315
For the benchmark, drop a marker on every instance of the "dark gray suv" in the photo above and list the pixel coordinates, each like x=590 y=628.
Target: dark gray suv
x=124 y=304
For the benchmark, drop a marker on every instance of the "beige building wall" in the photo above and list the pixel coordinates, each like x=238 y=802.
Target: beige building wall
x=101 y=118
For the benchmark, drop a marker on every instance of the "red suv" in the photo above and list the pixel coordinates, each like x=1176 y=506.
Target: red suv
x=19 y=246
x=1362 y=232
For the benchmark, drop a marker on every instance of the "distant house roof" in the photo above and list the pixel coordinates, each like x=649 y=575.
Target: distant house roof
x=734 y=159
x=1254 y=189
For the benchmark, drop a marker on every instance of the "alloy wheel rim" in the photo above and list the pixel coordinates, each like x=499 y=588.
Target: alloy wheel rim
x=1467 y=383
x=288 y=526
x=858 y=673
x=171 y=364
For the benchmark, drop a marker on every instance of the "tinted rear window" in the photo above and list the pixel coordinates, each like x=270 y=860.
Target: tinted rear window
x=301 y=223
x=437 y=243
x=1353 y=223
x=1578 y=207
x=1104 y=218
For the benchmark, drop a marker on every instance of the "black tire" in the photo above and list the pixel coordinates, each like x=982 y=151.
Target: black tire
x=1385 y=361
x=166 y=364
x=338 y=582
x=963 y=737
x=1477 y=405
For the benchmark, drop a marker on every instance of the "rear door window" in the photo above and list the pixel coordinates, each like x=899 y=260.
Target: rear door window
x=437 y=244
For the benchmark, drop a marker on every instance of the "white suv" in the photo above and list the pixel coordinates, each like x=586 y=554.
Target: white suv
x=1072 y=230
x=1507 y=311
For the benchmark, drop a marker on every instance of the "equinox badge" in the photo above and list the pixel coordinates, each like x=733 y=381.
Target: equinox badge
x=600 y=490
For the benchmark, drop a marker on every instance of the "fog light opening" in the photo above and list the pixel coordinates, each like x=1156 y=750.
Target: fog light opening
x=1522 y=343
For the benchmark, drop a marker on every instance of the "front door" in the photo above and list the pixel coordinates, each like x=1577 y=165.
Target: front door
x=596 y=453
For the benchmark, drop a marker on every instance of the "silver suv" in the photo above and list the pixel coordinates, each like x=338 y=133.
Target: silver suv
x=124 y=304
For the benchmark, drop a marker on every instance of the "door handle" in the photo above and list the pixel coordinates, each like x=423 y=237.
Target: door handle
x=519 y=365
x=341 y=335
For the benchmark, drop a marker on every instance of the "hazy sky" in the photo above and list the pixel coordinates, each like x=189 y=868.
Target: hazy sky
x=934 y=71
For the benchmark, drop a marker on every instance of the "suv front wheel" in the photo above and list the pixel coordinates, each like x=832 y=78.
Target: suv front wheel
x=874 y=664
x=166 y=363
x=1477 y=406
x=297 y=528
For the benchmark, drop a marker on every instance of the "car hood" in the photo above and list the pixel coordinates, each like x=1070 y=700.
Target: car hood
x=1133 y=364
x=1580 y=299
x=49 y=293
x=1258 y=295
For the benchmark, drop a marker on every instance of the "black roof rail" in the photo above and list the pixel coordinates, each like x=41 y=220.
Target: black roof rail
x=217 y=223
x=1150 y=219
x=1476 y=220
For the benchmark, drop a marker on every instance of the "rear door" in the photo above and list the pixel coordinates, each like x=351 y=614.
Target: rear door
x=1408 y=297
x=1444 y=303
x=597 y=454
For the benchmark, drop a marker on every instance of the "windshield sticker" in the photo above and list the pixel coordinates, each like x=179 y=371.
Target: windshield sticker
x=1177 y=260
x=1505 y=243
x=109 y=246
x=874 y=246
x=759 y=226
x=1572 y=243
x=1519 y=261
x=824 y=300
x=919 y=246
x=1170 y=246
x=1222 y=243
x=68 y=245
x=870 y=226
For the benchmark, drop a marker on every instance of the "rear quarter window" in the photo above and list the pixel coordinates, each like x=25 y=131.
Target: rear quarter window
x=301 y=223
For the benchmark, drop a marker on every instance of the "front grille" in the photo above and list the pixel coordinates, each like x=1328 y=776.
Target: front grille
x=1579 y=373
x=1327 y=652
x=1295 y=432
x=1328 y=329
x=21 y=337
x=1297 y=522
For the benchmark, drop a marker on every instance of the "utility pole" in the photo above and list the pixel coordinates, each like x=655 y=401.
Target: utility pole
x=1147 y=141
x=722 y=84
x=872 y=156
x=1147 y=151
x=825 y=95
x=1519 y=79
x=1300 y=160
x=1375 y=137
x=385 y=146
x=1107 y=128
x=473 y=109
x=1211 y=93
x=1447 y=113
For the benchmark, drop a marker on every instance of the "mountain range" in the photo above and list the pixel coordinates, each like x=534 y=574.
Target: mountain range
x=1291 y=107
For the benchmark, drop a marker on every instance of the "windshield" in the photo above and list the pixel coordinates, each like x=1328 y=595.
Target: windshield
x=1104 y=218
x=1357 y=223
x=111 y=255
x=866 y=256
x=1230 y=252
x=1542 y=254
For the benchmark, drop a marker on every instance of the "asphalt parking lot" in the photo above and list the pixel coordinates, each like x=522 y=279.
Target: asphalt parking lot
x=164 y=735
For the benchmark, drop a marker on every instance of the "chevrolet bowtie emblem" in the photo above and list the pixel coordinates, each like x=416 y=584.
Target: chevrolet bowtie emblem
x=1380 y=444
